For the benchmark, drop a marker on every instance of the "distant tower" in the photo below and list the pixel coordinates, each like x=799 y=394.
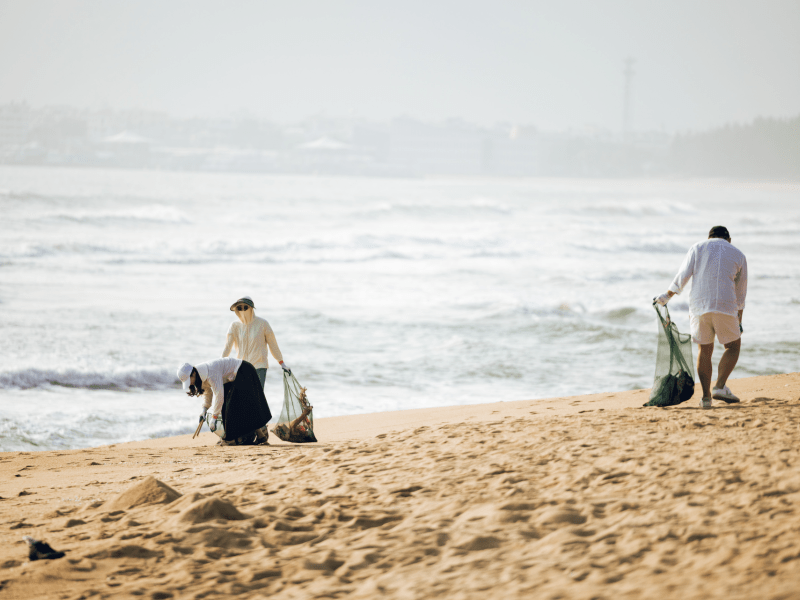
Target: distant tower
x=627 y=116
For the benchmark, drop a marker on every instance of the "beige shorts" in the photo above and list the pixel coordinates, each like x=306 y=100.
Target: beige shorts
x=704 y=327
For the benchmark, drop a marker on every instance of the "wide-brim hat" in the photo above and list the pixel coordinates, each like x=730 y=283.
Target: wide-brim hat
x=245 y=300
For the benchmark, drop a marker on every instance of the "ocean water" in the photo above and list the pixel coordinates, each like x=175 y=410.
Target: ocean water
x=383 y=294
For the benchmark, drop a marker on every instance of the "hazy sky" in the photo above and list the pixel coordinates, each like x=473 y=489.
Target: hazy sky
x=553 y=64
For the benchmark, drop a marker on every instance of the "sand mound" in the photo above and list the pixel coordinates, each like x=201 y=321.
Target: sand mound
x=73 y=523
x=478 y=542
x=149 y=491
x=323 y=561
x=562 y=515
x=184 y=501
x=214 y=537
x=210 y=509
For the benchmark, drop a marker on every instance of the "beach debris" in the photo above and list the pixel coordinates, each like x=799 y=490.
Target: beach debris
x=148 y=491
x=38 y=550
x=296 y=423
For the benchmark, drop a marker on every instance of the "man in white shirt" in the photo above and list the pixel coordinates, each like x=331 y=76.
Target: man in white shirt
x=719 y=285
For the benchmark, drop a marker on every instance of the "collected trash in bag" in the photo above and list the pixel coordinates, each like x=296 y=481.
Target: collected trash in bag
x=296 y=423
x=674 y=379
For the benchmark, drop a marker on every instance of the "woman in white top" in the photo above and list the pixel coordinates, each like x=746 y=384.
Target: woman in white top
x=252 y=336
x=237 y=394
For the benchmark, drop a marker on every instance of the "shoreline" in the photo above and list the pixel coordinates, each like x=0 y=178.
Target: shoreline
x=356 y=426
x=519 y=496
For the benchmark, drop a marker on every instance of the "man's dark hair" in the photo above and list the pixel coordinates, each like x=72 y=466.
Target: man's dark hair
x=718 y=231
x=198 y=389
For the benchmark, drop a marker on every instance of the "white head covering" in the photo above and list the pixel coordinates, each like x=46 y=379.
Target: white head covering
x=184 y=371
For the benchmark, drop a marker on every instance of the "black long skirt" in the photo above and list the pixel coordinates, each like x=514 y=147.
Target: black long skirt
x=245 y=408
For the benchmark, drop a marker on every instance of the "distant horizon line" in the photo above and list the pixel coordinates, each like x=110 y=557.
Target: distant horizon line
x=248 y=115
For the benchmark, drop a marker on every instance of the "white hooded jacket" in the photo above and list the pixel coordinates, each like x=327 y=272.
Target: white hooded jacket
x=215 y=374
x=252 y=336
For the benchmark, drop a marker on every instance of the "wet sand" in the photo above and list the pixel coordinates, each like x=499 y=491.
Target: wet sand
x=582 y=497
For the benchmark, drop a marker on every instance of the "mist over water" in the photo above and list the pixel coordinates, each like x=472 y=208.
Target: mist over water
x=383 y=294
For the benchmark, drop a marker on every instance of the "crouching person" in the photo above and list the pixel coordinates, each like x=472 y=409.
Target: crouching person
x=232 y=390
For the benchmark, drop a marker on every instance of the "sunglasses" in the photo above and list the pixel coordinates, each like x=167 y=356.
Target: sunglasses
x=242 y=307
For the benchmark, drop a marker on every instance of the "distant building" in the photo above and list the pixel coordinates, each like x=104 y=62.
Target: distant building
x=60 y=135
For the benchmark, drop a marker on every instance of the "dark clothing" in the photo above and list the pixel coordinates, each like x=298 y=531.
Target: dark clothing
x=262 y=376
x=245 y=408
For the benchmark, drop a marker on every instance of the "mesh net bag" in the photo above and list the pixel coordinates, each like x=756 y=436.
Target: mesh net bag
x=296 y=423
x=674 y=379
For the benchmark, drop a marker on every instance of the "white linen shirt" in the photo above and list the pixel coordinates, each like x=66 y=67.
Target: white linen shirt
x=719 y=278
x=215 y=374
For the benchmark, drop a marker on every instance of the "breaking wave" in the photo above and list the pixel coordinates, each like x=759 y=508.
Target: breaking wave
x=363 y=248
x=155 y=213
x=143 y=379
x=640 y=207
x=652 y=246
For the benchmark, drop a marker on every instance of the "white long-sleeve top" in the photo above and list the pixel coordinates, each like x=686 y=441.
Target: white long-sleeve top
x=252 y=337
x=719 y=278
x=215 y=374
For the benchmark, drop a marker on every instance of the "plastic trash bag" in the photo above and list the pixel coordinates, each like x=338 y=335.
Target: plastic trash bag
x=674 y=379
x=296 y=423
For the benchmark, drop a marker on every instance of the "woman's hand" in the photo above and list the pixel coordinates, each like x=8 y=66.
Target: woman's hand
x=212 y=424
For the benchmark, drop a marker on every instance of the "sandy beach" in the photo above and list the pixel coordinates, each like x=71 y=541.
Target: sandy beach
x=581 y=497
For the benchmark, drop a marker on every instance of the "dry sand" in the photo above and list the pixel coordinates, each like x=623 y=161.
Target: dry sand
x=583 y=497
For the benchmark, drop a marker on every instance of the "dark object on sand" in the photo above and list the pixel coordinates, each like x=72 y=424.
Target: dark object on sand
x=674 y=379
x=245 y=408
x=40 y=550
x=296 y=423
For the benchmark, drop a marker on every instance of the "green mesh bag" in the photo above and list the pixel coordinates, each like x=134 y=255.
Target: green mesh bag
x=296 y=423
x=674 y=379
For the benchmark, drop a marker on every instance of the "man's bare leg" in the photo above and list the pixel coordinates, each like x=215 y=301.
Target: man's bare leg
x=704 y=368
x=726 y=364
